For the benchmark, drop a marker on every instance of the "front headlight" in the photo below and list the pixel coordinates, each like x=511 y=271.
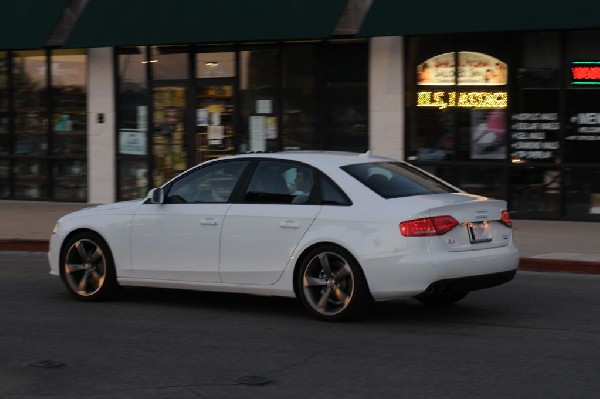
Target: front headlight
x=55 y=229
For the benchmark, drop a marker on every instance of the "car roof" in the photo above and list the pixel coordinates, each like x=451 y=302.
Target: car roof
x=318 y=158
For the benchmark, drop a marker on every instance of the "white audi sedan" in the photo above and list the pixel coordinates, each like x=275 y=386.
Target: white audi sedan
x=336 y=230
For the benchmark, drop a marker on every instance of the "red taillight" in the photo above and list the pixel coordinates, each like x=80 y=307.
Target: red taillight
x=435 y=226
x=505 y=218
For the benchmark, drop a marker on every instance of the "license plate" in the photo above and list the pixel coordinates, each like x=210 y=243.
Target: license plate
x=479 y=232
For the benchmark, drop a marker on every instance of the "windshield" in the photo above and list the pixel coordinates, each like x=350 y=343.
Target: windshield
x=396 y=179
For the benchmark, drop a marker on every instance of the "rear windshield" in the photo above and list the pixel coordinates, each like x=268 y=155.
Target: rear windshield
x=395 y=179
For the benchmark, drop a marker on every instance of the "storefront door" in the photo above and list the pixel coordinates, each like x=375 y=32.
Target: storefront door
x=215 y=132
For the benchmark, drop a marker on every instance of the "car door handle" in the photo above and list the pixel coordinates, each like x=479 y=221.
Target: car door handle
x=209 y=222
x=289 y=224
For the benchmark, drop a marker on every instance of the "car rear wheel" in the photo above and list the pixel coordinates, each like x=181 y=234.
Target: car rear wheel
x=87 y=268
x=331 y=285
x=441 y=298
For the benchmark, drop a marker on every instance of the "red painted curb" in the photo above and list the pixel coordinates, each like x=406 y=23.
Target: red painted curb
x=559 y=265
x=24 y=245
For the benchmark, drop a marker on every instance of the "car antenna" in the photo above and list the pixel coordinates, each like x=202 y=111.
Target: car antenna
x=365 y=155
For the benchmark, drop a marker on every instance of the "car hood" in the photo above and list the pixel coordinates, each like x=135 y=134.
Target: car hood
x=117 y=207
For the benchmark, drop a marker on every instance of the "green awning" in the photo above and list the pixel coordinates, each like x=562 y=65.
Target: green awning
x=399 y=18
x=147 y=22
x=27 y=24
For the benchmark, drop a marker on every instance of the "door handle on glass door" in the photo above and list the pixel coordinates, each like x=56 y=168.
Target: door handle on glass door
x=209 y=222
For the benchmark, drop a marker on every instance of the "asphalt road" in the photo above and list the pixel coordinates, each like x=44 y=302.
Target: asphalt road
x=536 y=337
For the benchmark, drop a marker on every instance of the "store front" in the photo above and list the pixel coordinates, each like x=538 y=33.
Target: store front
x=181 y=105
x=503 y=102
x=510 y=115
x=43 y=125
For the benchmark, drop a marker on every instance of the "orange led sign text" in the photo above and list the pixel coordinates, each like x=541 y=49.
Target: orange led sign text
x=463 y=99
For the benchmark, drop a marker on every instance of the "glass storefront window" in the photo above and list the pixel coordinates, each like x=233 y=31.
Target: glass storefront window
x=215 y=130
x=432 y=135
x=535 y=126
x=4 y=179
x=540 y=59
x=30 y=178
x=582 y=187
x=215 y=65
x=258 y=91
x=132 y=102
x=4 y=116
x=582 y=135
x=482 y=134
x=300 y=103
x=132 y=122
x=133 y=179
x=69 y=180
x=168 y=136
x=30 y=102
x=485 y=181
x=457 y=98
x=583 y=45
x=347 y=96
x=69 y=103
x=447 y=173
x=169 y=62
x=276 y=102
x=535 y=192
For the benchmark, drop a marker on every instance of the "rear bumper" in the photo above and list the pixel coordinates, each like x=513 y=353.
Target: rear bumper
x=395 y=276
x=471 y=283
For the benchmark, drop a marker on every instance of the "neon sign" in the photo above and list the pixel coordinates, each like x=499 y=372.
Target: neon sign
x=585 y=73
x=463 y=99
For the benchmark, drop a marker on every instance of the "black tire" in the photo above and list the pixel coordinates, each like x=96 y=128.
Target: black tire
x=87 y=268
x=441 y=299
x=331 y=284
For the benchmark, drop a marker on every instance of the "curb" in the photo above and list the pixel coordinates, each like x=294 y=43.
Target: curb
x=559 y=265
x=525 y=264
x=24 y=245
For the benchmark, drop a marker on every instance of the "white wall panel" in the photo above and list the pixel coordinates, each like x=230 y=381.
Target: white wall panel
x=101 y=136
x=386 y=96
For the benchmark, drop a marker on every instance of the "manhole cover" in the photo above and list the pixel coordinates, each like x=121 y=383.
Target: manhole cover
x=46 y=364
x=253 y=380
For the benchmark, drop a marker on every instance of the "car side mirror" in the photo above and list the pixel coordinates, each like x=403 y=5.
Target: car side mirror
x=157 y=195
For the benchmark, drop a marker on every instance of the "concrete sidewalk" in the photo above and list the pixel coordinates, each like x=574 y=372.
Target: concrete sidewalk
x=543 y=245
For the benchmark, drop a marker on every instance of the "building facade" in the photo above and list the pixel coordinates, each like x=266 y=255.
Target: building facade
x=509 y=111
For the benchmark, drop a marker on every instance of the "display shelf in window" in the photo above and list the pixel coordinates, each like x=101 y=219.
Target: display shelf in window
x=70 y=190
x=214 y=122
x=133 y=178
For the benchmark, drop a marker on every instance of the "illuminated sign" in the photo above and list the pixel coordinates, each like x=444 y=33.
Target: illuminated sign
x=585 y=73
x=474 y=69
x=473 y=99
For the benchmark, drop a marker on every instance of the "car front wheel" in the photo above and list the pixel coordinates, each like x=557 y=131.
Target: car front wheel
x=87 y=268
x=331 y=285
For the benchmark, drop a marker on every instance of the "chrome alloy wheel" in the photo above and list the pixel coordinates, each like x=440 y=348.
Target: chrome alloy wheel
x=85 y=267
x=328 y=283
